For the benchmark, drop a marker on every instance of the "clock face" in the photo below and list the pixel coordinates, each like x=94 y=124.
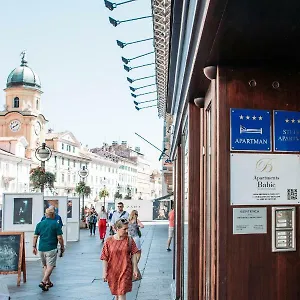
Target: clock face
x=37 y=128
x=15 y=125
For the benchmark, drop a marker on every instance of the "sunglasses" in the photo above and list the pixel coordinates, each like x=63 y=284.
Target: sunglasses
x=120 y=205
x=124 y=221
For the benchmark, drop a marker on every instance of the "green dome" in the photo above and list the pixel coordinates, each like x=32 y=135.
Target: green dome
x=23 y=76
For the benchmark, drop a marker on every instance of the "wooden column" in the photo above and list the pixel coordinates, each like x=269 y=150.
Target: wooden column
x=194 y=201
x=178 y=232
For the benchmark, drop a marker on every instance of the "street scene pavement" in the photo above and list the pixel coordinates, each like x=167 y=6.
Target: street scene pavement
x=78 y=274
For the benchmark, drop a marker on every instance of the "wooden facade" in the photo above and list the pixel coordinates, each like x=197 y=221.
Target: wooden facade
x=222 y=265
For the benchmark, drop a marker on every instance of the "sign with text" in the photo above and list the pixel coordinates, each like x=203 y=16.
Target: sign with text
x=250 y=220
x=262 y=179
x=250 y=130
x=286 y=131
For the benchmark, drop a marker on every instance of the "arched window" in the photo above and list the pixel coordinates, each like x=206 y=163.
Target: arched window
x=16 y=102
x=37 y=103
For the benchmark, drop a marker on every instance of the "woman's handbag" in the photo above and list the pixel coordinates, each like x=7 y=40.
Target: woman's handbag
x=139 y=232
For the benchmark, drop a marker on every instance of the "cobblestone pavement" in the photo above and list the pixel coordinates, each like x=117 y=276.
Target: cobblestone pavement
x=78 y=273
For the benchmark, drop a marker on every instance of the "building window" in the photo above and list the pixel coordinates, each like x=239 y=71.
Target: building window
x=55 y=159
x=74 y=163
x=37 y=103
x=74 y=178
x=73 y=149
x=16 y=102
x=62 y=146
x=69 y=178
x=62 y=177
x=62 y=161
x=68 y=162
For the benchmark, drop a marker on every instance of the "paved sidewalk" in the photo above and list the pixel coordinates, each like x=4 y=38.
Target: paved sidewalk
x=78 y=273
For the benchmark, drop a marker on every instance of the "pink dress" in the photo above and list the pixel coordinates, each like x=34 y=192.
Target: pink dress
x=119 y=264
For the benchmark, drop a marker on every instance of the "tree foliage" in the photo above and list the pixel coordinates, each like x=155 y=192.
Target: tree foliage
x=103 y=193
x=118 y=195
x=39 y=178
x=83 y=189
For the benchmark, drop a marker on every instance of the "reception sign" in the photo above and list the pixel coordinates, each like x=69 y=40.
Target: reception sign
x=287 y=131
x=250 y=130
x=264 y=179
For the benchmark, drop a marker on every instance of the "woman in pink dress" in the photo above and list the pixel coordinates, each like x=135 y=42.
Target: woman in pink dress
x=120 y=261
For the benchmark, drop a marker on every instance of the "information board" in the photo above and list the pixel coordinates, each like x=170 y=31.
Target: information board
x=264 y=179
x=250 y=220
x=286 y=131
x=12 y=254
x=250 y=130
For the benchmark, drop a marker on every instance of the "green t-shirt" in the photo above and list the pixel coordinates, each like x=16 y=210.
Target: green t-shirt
x=48 y=230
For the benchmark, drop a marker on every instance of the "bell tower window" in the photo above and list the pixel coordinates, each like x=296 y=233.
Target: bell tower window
x=37 y=104
x=16 y=102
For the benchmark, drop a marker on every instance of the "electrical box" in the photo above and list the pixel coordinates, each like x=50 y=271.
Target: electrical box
x=283 y=229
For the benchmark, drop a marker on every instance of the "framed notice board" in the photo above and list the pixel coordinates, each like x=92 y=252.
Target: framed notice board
x=12 y=254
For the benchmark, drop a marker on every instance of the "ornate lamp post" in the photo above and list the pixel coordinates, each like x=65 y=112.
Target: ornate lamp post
x=43 y=153
x=83 y=173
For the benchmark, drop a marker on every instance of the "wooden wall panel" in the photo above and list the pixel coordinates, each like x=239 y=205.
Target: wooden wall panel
x=247 y=269
x=194 y=201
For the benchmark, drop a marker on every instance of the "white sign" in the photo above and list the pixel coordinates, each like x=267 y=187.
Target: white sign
x=262 y=179
x=250 y=220
x=144 y=208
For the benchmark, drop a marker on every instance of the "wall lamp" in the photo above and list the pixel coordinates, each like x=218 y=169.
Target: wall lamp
x=135 y=96
x=139 y=108
x=133 y=80
x=137 y=103
x=128 y=69
x=112 y=6
x=115 y=23
x=141 y=87
x=128 y=60
x=122 y=44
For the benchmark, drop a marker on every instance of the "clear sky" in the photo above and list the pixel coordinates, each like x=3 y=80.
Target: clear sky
x=72 y=47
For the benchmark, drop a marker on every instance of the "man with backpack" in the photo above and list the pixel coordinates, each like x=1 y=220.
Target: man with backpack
x=93 y=217
x=119 y=214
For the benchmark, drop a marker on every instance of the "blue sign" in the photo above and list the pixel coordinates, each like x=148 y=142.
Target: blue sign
x=250 y=130
x=286 y=131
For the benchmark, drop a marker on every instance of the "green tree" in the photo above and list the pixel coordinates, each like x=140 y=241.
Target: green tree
x=103 y=194
x=82 y=190
x=118 y=195
x=40 y=179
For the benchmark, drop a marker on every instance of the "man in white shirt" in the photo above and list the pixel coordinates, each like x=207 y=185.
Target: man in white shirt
x=119 y=214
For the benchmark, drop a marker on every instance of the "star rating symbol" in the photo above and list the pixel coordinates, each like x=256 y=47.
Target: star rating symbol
x=298 y=121
x=293 y=120
x=254 y=117
x=241 y=117
x=260 y=118
x=287 y=120
x=247 y=117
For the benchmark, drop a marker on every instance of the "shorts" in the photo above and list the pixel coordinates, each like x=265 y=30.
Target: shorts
x=171 y=232
x=49 y=257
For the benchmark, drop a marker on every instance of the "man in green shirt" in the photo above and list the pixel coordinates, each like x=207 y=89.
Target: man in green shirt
x=50 y=234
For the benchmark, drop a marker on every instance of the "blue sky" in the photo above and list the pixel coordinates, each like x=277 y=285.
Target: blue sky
x=72 y=46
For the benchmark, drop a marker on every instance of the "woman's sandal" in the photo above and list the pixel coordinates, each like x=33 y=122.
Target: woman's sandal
x=49 y=284
x=44 y=286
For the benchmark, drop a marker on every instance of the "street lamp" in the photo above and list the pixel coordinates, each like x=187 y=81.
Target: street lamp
x=130 y=80
x=83 y=173
x=135 y=95
x=137 y=103
x=115 y=23
x=128 y=60
x=123 y=44
x=128 y=69
x=43 y=153
x=111 y=6
x=140 y=87
x=139 y=108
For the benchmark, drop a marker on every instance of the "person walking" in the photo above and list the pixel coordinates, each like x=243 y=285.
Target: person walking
x=57 y=217
x=92 y=220
x=134 y=226
x=119 y=261
x=171 y=228
x=102 y=223
x=119 y=214
x=50 y=233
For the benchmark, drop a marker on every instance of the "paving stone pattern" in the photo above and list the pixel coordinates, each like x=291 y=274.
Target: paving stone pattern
x=79 y=272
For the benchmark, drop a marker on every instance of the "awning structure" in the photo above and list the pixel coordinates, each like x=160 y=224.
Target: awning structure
x=163 y=197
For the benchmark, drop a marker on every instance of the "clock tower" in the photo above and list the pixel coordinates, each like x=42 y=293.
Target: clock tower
x=22 y=115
